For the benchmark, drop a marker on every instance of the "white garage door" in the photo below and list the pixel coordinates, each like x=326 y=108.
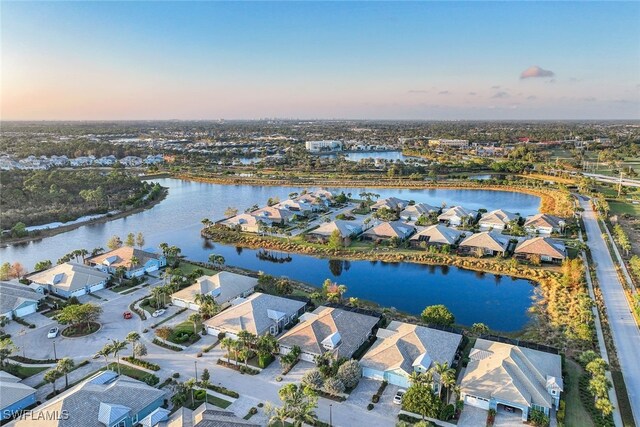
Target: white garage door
x=306 y=357
x=193 y=306
x=478 y=402
x=213 y=331
x=96 y=287
x=24 y=311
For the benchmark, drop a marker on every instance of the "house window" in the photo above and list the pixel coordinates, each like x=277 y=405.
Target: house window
x=134 y=419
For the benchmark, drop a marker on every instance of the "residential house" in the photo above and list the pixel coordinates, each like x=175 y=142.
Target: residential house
x=413 y=212
x=14 y=396
x=347 y=229
x=70 y=279
x=544 y=224
x=403 y=348
x=500 y=375
x=338 y=331
x=272 y=215
x=388 y=230
x=497 y=220
x=259 y=314
x=436 y=235
x=18 y=300
x=318 y=200
x=136 y=262
x=391 y=203
x=299 y=207
x=106 y=400
x=245 y=221
x=485 y=243
x=223 y=286
x=205 y=415
x=457 y=215
x=548 y=249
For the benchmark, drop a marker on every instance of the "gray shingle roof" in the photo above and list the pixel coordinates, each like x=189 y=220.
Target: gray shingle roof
x=12 y=390
x=87 y=401
x=253 y=314
x=324 y=322
x=69 y=276
x=13 y=295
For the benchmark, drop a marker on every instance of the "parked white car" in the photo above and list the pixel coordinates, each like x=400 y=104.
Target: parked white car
x=53 y=332
x=397 y=399
x=158 y=313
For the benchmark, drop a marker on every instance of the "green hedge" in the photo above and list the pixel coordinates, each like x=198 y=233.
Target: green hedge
x=142 y=363
x=587 y=402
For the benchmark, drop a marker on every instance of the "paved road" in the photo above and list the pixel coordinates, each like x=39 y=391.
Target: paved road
x=626 y=334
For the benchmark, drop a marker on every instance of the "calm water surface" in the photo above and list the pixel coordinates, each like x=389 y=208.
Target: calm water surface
x=501 y=303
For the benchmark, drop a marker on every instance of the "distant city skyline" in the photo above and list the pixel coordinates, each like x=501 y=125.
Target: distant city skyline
x=334 y=60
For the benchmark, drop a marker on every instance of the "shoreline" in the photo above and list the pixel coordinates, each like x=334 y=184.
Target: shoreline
x=549 y=198
x=50 y=232
x=488 y=265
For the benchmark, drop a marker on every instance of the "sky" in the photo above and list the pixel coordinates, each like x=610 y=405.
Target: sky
x=319 y=60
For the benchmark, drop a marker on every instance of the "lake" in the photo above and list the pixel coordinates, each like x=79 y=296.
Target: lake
x=356 y=156
x=409 y=287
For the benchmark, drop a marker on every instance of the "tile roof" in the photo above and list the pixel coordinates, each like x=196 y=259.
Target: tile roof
x=414 y=211
x=487 y=240
x=273 y=213
x=511 y=373
x=456 y=211
x=13 y=295
x=205 y=415
x=498 y=217
x=391 y=229
x=392 y=203
x=400 y=345
x=544 y=220
x=69 y=276
x=91 y=401
x=542 y=246
x=121 y=257
x=253 y=314
x=241 y=219
x=438 y=233
x=353 y=329
x=224 y=285
x=346 y=228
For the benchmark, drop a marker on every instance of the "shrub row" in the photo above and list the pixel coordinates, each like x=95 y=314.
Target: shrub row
x=240 y=368
x=22 y=359
x=376 y=397
x=142 y=363
x=587 y=401
x=24 y=322
x=223 y=390
x=156 y=341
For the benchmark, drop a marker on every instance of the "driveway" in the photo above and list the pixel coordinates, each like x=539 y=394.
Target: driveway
x=473 y=417
x=365 y=390
x=626 y=334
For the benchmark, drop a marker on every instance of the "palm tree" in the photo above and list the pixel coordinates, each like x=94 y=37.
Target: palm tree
x=51 y=376
x=189 y=385
x=442 y=369
x=134 y=261
x=195 y=318
x=298 y=403
x=105 y=352
x=133 y=338
x=120 y=273
x=448 y=379
x=116 y=347
x=65 y=366
x=207 y=303
x=228 y=343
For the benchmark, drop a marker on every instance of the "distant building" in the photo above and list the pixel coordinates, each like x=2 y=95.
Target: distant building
x=462 y=144
x=223 y=287
x=323 y=146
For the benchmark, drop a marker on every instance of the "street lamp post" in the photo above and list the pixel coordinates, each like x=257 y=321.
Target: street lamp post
x=55 y=355
x=330 y=415
x=195 y=364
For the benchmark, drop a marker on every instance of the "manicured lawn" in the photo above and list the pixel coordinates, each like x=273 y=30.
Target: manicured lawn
x=618 y=208
x=185 y=327
x=27 y=371
x=188 y=268
x=128 y=371
x=126 y=284
x=214 y=400
x=576 y=415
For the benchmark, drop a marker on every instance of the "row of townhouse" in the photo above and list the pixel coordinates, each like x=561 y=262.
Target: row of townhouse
x=71 y=279
x=389 y=354
x=44 y=162
x=282 y=212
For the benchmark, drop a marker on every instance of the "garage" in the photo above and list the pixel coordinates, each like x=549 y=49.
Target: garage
x=397 y=379
x=25 y=309
x=178 y=302
x=194 y=306
x=476 y=401
x=373 y=374
x=96 y=287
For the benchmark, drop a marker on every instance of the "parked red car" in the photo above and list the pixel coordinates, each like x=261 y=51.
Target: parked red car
x=126 y=315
